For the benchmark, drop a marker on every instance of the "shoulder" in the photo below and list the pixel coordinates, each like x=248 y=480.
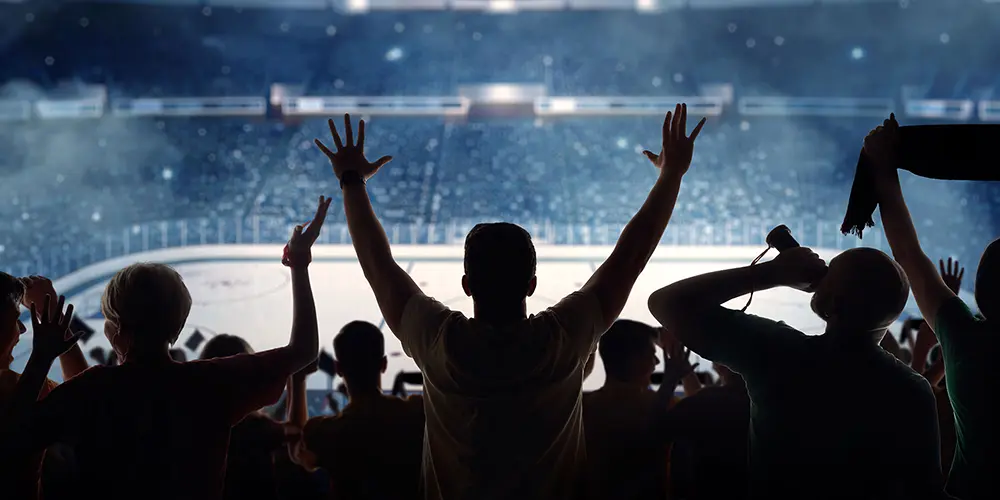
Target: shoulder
x=326 y=427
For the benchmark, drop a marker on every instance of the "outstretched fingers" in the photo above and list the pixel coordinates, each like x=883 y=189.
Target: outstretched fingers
x=697 y=129
x=322 y=147
x=361 y=136
x=336 y=136
x=348 y=131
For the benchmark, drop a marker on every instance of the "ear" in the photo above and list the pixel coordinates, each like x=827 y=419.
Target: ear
x=385 y=364
x=465 y=285
x=531 y=286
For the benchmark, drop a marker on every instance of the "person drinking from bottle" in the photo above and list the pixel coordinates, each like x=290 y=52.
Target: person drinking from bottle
x=831 y=429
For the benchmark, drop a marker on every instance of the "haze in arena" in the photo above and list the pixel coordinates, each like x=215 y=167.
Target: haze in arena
x=182 y=132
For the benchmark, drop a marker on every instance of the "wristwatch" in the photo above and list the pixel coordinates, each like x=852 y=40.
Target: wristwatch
x=350 y=177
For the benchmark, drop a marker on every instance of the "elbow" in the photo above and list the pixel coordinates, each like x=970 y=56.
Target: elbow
x=664 y=306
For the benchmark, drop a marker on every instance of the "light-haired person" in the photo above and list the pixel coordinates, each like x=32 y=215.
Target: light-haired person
x=152 y=427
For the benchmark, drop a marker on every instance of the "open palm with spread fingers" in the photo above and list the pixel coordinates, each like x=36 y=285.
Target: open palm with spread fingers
x=50 y=329
x=304 y=237
x=952 y=274
x=677 y=147
x=350 y=156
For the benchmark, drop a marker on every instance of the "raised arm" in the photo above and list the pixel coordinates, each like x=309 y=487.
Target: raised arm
x=22 y=424
x=392 y=286
x=72 y=362
x=298 y=415
x=612 y=282
x=929 y=289
x=682 y=306
x=304 y=341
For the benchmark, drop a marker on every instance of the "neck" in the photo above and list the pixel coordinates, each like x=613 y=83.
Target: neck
x=363 y=392
x=616 y=386
x=500 y=313
x=855 y=334
x=148 y=355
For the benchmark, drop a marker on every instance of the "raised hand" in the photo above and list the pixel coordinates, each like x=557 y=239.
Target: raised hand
x=50 y=329
x=952 y=275
x=678 y=363
x=882 y=144
x=350 y=156
x=301 y=242
x=677 y=148
x=36 y=289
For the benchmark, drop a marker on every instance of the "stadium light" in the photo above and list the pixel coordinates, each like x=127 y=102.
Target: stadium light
x=355 y=6
x=502 y=6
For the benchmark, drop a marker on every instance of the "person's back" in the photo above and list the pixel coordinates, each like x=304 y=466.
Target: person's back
x=372 y=450
x=504 y=404
x=161 y=431
x=839 y=425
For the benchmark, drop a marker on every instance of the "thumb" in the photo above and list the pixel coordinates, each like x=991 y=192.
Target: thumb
x=649 y=154
x=381 y=161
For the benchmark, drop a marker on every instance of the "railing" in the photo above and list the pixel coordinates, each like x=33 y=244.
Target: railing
x=150 y=236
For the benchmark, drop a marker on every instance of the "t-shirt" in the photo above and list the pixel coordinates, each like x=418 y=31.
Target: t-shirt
x=19 y=475
x=157 y=431
x=824 y=411
x=626 y=460
x=503 y=405
x=250 y=462
x=372 y=450
x=971 y=348
x=709 y=456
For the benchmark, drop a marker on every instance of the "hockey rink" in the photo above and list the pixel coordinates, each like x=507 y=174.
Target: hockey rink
x=244 y=290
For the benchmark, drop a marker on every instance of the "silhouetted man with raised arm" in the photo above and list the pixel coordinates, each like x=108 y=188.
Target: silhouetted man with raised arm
x=503 y=389
x=970 y=344
x=820 y=405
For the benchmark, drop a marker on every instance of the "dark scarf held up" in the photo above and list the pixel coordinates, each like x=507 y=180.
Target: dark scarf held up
x=946 y=152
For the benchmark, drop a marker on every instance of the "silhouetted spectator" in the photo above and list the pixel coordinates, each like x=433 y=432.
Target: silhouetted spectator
x=372 y=450
x=151 y=427
x=19 y=474
x=970 y=345
x=628 y=457
x=807 y=438
x=252 y=442
x=708 y=459
x=502 y=389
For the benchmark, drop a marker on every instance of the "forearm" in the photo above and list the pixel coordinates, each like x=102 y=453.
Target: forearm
x=370 y=241
x=298 y=404
x=73 y=362
x=305 y=328
x=14 y=421
x=897 y=223
x=710 y=289
x=642 y=234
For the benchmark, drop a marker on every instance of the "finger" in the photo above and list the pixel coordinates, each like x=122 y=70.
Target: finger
x=348 y=131
x=683 y=130
x=55 y=316
x=46 y=307
x=961 y=274
x=74 y=338
x=694 y=366
x=652 y=157
x=666 y=127
x=34 y=316
x=317 y=222
x=67 y=317
x=941 y=267
x=322 y=147
x=697 y=128
x=676 y=124
x=381 y=161
x=336 y=136
x=361 y=136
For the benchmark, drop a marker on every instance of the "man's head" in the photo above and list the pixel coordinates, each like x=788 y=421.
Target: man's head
x=864 y=291
x=145 y=306
x=628 y=351
x=225 y=345
x=11 y=327
x=988 y=282
x=499 y=264
x=360 y=351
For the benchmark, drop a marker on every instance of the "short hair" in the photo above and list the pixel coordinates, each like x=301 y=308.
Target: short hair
x=359 y=348
x=623 y=343
x=149 y=301
x=499 y=262
x=12 y=289
x=225 y=345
